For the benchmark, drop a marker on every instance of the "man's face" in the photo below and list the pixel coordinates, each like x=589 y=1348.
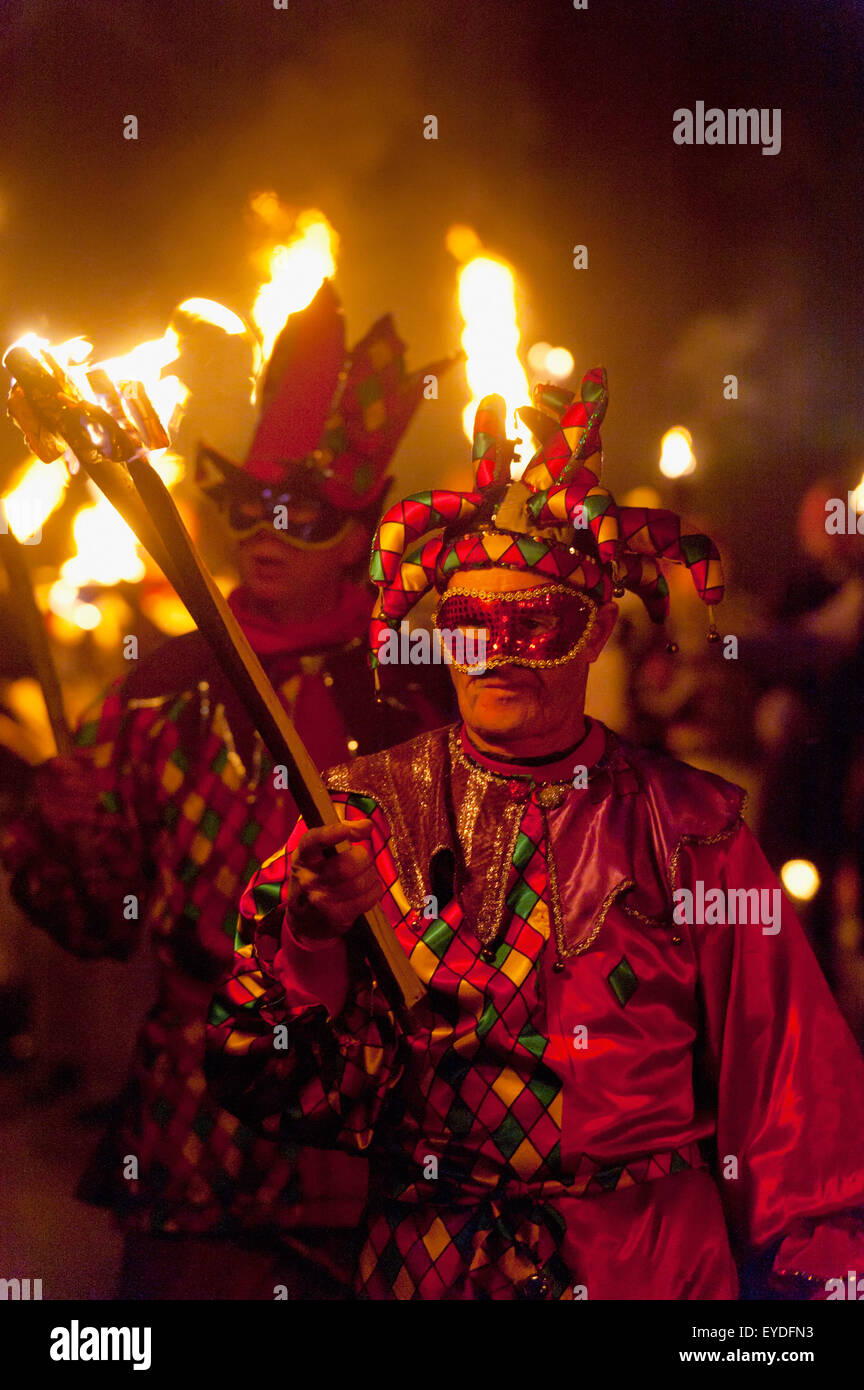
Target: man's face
x=281 y=575
x=522 y=709
x=269 y=564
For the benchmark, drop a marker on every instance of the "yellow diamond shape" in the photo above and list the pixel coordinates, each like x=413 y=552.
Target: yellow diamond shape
x=171 y=776
x=392 y=536
x=526 y=1160
x=495 y=545
x=508 y=1087
x=437 y=1238
x=193 y=807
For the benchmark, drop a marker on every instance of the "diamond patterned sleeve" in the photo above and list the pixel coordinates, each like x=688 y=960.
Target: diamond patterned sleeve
x=279 y=1057
x=786 y=1074
x=76 y=850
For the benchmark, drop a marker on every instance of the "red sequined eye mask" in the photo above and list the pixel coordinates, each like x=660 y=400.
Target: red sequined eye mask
x=545 y=626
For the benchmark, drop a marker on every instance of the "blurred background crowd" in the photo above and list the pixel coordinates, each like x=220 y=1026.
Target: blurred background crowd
x=273 y=154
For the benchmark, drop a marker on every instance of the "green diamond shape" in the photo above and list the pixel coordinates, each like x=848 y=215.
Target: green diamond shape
x=522 y=899
x=161 y=1111
x=487 y=1019
x=595 y=506
x=532 y=551
x=218 y=1014
x=376 y=568
x=368 y=390
x=437 y=937
x=188 y=870
x=544 y=1090
x=695 y=548
x=250 y=832
x=86 y=735
x=203 y=1122
x=524 y=849
x=266 y=896
x=509 y=1135
x=533 y=1042
x=623 y=981
x=482 y=443
x=459 y=1119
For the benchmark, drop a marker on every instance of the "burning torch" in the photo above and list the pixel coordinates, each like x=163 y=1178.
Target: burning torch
x=110 y=436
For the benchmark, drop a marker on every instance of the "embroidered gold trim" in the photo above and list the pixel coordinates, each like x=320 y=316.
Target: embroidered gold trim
x=469 y=812
x=488 y=922
x=554 y=896
x=467 y=763
x=599 y=919
x=339 y=779
x=704 y=840
x=643 y=917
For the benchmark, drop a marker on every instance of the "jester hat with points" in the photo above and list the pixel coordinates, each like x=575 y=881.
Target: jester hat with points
x=556 y=521
x=331 y=418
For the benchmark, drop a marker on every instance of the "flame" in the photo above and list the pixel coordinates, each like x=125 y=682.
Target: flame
x=210 y=311
x=145 y=363
x=487 y=302
x=106 y=551
x=677 y=459
x=38 y=493
x=296 y=270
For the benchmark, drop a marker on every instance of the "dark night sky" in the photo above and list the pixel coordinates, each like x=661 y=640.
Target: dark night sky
x=555 y=127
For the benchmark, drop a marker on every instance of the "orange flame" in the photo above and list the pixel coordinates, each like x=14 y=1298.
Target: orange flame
x=296 y=269
x=487 y=302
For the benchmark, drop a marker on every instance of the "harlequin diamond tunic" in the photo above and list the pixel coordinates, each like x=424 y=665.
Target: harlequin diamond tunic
x=171 y=800
x=594 y=1102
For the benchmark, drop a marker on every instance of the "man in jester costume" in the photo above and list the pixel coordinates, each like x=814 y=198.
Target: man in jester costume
x=622 y=1083
x=170 y=802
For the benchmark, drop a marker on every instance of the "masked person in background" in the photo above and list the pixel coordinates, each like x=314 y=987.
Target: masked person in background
x=170 y=803
x=627 y=1074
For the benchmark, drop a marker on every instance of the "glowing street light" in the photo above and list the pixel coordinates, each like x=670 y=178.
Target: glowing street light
x=801 y=879
x=677 y=459
x=550 y=363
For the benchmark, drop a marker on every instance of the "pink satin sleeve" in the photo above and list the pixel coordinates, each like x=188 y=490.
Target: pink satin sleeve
x=789 y=1078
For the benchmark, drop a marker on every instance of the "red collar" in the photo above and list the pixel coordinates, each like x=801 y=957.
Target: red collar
x=585 y=754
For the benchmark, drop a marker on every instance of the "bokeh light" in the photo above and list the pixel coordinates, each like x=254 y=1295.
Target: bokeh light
x=801 y=879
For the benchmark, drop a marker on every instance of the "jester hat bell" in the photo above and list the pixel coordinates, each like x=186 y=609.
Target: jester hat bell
x=556 y=521
x=331 y=418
